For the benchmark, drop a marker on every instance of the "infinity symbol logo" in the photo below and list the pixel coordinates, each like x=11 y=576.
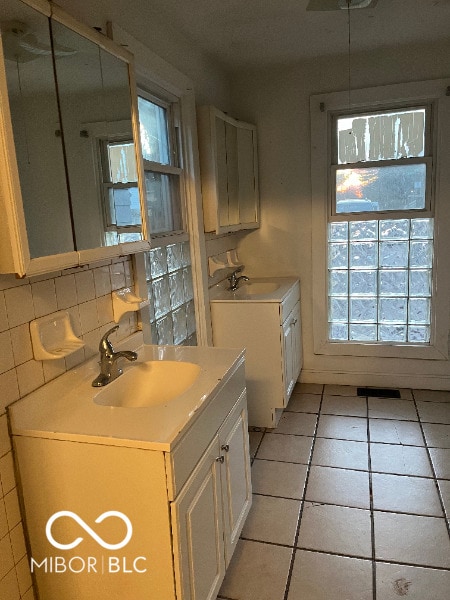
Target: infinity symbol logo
x=91 y=532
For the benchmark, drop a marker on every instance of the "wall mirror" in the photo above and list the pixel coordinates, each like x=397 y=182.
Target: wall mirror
x=74 y=131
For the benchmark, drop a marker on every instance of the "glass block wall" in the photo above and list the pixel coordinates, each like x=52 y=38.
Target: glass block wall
x=171 y=293
x=380 y=280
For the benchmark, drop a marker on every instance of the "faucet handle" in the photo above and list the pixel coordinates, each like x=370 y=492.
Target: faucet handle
x=105 y=345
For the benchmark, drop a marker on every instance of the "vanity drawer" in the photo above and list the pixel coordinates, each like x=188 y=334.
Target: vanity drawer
x=290 y=301
x=182 y=460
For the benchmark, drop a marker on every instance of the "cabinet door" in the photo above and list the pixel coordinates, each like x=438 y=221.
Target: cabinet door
x=197 y=527
x=291 y=351
x=236 y=479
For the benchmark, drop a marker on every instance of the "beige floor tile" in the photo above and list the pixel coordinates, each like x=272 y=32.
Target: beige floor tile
x=254 y=438
x=278 y=478
x=308 y=388
x=286 y=448
x=392 y=408
x=340 y=390
x=308 y=403
x=257 y=572
x=338 y=486
x=406 y=394
x=344 y=428
x=272 y=520
x=318 y=576
x=404 y=494
x=395 y=432
x=415 y=583
x=402 y=460
x=434 y=412
x=296 y=424
x=412 y=539
x=341 y=453
x=444 y=487
x=351 y=406
x=337 y=529
x=432 y=395
x=441 y=462
x=437 y=435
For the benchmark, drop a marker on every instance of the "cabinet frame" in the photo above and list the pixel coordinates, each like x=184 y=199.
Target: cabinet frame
x=14 y=249
x=211 y=176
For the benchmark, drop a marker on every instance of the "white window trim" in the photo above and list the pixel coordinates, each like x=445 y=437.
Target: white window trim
x=156 y=75
x=321 y=108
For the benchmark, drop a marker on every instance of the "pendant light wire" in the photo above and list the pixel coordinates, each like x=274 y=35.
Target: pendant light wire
x=349 y=74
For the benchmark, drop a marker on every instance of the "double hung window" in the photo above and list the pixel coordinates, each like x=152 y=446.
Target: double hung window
x=380 y=227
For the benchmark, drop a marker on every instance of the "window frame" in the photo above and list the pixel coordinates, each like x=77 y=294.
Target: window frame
x=176 y=169
x=324 y=109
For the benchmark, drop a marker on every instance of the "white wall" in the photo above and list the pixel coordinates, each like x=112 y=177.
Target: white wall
x=139 y=19
x=277 y=100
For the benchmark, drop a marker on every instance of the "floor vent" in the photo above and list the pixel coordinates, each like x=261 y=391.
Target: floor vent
x=378 y=392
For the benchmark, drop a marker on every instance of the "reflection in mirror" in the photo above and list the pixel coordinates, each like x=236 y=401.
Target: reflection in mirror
x=35 y=122
x=95 y=104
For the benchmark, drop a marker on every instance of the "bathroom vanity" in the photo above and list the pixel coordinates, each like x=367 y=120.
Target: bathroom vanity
x=176 y=471
x=262 y=316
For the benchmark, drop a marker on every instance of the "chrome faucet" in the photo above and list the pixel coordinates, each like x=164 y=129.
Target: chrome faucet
x=234 y=280
x=109 y=369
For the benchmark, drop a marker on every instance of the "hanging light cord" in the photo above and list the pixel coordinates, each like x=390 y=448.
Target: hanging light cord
x=349 y=54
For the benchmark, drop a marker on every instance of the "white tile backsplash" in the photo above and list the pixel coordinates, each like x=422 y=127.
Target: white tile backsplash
x=86 y=295
x=6 y=352
x=66 y=291
x=44 y=297
x=4 y=325
x=84 y=281
x=21 y=343
x=19 y=305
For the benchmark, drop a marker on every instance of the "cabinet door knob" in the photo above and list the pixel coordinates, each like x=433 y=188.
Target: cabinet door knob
x=225 y=447
x=220 y=459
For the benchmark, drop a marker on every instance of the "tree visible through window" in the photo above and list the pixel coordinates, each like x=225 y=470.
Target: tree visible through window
x=380 y=234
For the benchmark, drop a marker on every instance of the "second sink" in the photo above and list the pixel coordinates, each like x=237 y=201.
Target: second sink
x=149 y=383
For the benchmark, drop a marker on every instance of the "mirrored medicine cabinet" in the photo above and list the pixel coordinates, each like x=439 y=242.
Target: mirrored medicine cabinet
x=70 y=191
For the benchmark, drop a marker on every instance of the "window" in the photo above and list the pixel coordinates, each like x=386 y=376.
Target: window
x=162 y=170
x=120 y=191
x=380 y=251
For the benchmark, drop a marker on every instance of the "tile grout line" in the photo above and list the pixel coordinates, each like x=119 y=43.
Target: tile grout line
x=372 y=512
x=302 y=502
x=435 y=478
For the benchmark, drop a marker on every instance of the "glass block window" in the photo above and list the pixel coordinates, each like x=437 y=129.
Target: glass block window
x=380 y=280
x=171 y=293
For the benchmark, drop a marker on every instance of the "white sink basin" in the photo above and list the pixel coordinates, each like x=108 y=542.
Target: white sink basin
x=150 y=383
x=257 y=288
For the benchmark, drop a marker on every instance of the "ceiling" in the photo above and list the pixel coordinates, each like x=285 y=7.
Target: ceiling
x=255 y=33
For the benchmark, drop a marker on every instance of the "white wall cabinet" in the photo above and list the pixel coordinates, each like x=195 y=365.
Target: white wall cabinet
x=51 y=197
x=187 y=505
x=270 y=331
x=229 y=171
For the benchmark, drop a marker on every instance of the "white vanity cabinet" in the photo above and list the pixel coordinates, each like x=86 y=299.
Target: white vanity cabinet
x=268 y=326
x=187 y=503
x=229 y=171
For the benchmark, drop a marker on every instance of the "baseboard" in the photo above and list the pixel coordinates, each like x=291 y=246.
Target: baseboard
x=393 y=380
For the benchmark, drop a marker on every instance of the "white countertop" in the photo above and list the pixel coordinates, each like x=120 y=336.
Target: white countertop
x=220 y=293
x=64 y=409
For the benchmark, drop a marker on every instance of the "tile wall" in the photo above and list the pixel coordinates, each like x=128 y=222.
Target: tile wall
x=86 y=294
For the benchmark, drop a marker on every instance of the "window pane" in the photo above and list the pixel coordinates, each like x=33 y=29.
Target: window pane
x=398 y=187
x=125 y=208
x=381 y=136
x=153 y=130
x=122 y=162
x=163 y=202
